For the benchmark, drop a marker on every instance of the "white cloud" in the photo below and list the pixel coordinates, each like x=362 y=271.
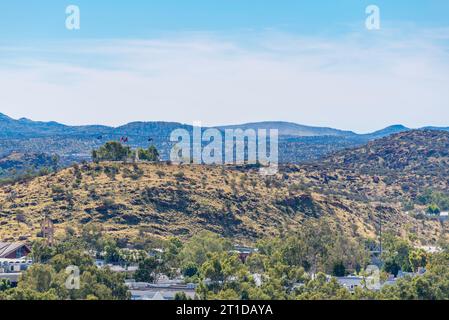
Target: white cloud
x=357 y=82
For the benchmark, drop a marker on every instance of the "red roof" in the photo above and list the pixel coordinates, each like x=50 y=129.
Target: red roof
x=7 y=248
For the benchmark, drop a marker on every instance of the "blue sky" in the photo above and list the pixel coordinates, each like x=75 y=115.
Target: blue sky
x=44 y=19
x=227 y=61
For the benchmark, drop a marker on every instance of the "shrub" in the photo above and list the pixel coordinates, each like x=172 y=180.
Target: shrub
x=179 y=175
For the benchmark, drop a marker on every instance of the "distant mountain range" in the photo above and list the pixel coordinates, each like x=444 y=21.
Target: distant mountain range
x=298 y=143
x=21 y=128
x=293 y=129
x=12 y=128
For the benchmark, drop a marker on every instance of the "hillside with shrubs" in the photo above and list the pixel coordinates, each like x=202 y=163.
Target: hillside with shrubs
x=131 y=198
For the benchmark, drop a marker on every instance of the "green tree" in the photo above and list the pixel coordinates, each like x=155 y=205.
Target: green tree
x=197 y=249
x=101 y=284
x=190 y=270
x=28 y=294
x=48 y=282
x=320 y=288
x=92 y=236
x=171 y=254
x=396 y=253
x=433 y=209
x=148 y=269
x=111 y=151
x=41 y=252
x=55 y=162
x=4 y=285
x=339 y=270
x=112 y=253
x=39 y=278
x=71 y=258
x=417 y=259
x=181 y=296
x=150 y=154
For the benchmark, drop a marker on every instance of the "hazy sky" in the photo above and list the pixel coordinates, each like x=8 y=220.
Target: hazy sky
x=227 y=61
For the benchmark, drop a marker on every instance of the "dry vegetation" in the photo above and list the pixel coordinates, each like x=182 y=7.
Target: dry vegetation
x=132 y=200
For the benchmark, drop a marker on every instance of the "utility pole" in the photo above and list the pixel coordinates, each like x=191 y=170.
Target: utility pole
x=380 y=234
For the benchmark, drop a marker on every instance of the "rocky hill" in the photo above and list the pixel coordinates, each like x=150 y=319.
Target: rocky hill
x=129 y=200
x=410 y=151
x=15 y=164
x=414 y=161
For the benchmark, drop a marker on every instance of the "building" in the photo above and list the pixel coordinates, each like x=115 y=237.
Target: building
x=14 y=250
x=14 y=265
x=11 y=269
x=13 y=278
x=150 y=291
x=122 y=269
x=244 y=252
x=353 y=282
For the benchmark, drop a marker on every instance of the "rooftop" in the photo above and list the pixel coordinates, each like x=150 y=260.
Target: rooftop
x=12 y=277
x=8 y=247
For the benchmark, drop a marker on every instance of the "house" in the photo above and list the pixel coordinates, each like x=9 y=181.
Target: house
x=244 y=252
x=150 y=291
x=162 y=279
x=118 y=268
x=14 y=250
x=351 y=282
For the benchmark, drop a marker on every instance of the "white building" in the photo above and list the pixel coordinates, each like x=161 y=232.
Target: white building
x=150 y=291
x=14 y=265
x=353 y=282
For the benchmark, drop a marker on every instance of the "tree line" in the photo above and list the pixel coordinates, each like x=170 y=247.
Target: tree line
x=299 y=265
